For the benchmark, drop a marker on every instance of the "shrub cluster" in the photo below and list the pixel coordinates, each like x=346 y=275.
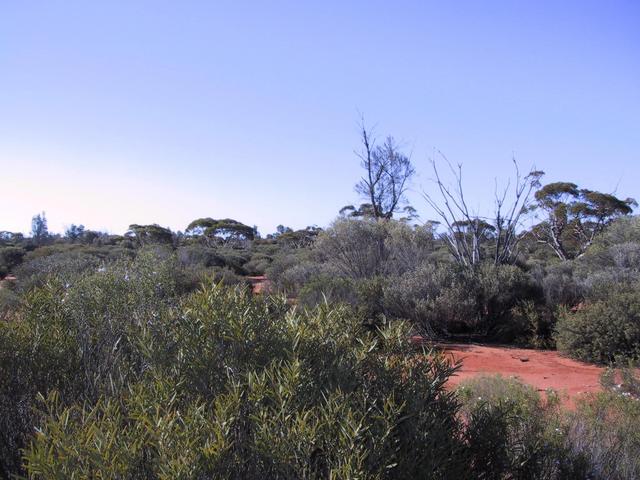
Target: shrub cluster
x=119 y=376
x=605 y=329
x=513 y=432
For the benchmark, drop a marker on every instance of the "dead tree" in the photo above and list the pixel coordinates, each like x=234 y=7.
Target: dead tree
x=387 y=175
x=471 y=238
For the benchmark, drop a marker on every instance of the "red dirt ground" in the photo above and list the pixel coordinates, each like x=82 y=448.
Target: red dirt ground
x=259 y=284
x=542 y=369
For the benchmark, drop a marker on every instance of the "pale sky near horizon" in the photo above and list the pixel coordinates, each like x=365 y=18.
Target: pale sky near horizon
x=122 y=112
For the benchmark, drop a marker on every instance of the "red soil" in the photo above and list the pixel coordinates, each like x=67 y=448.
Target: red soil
x=543 y=369
x=260 y=284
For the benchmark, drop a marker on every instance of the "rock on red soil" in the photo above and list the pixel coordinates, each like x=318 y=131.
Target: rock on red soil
x=543 y=369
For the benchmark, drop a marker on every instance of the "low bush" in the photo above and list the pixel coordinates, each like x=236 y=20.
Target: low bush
x=603 y=330
x=514 y=433
x=250 y=389
x=84 y=336
x=10 y=258
x=605 y=431
x=327 y=288
x=436 y=298
x=560 y=286
x=9 y=301
x=35 y=271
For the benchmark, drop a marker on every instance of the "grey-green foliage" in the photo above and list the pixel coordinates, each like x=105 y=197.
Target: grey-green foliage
x=514 y=433
x=136 y=383
x=623 y=231
x=63 y=265
x=614 y=258
x=10 y=257
x=445 y=297
x=252 y=390
x=434 y=297
x=84 y=336
x=605 y=428
x=365 y=248
x=9 y=301
x=606 y=328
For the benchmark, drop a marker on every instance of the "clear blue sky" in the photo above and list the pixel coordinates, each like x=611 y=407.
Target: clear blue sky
x=118 y=112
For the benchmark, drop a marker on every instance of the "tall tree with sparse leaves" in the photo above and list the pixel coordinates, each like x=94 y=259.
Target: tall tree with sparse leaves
x=388 y=172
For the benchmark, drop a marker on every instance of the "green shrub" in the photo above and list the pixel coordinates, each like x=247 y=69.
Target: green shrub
x=560 y=286
x=251 y=389
x=603 y=330
x=605 y=430
x=501 y=288
x=9 y=302
x=10 y=258
x=35 y=271
x=258 y=263
x=327 y=288
x=436 y=298
x=529 y=324
x=514 y=433
x=86 y=336
x=447 y=298
x=291 y=273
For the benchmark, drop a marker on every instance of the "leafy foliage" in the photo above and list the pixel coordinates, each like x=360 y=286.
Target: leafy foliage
x=574 y=217
x=605 y=329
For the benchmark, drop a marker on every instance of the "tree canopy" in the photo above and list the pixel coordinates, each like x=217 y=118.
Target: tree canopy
x=147 y=234
x=573 y=217
x=224 y=230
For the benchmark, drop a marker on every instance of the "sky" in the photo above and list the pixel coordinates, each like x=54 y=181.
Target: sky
x=122 y=112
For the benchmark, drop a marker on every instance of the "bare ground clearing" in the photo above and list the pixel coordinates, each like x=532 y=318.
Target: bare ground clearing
x=542 y=369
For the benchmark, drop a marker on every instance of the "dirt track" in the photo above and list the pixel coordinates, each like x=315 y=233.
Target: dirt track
x=543 y=369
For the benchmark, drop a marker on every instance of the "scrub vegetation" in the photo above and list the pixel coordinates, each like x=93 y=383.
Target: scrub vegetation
x=146 y=355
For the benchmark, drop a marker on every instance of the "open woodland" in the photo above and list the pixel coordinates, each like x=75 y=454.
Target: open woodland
x=149 y=355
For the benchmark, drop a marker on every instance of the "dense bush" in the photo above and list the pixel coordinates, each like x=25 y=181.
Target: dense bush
x=125 y=368
x=84 y=336
x=10 y=257
x=616 y=246
x=605 y=329
x=436 y=298
x=605 y=429
x=329 y=288
x=414 y=281
x=560 y=286
x=366 y=248
x=514 y=433
x=9 y=301
x=223 y=385
x=445 y=298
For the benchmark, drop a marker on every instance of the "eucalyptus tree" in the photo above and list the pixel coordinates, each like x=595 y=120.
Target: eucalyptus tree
x=150 y=234
x=572 y=217
x=225 y=231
